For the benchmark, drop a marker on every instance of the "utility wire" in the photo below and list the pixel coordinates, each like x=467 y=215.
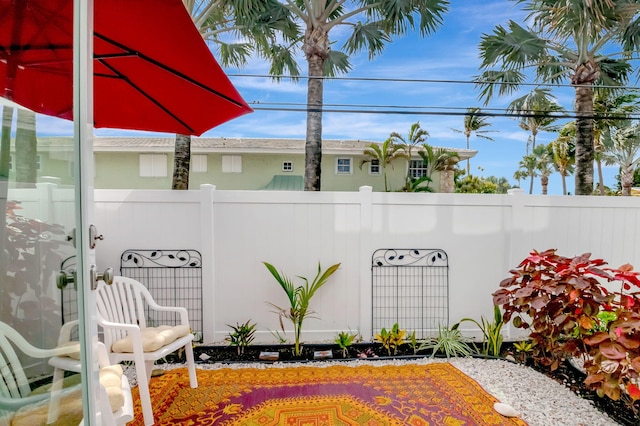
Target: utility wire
x=521 y=114
x=421 y=80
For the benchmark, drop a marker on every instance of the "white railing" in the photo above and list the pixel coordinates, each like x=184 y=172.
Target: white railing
x=235 y=231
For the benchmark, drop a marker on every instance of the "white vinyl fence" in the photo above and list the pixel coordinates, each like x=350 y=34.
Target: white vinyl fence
x=484 y=236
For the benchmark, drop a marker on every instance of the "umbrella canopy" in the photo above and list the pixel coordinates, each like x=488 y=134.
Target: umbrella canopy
x=152 y=69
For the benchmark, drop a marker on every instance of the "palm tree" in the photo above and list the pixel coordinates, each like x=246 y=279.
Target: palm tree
x=519 y=175
x=214 y=19
x=384 y=155
x=624 y=151
x=528 y=165
x=586 y=42
x=365 y=24
x=439 y=160
x=474 y=122
x=562 y=150
x=417 y=135
x=544 y=165
x=534 y=111
x=611 y=108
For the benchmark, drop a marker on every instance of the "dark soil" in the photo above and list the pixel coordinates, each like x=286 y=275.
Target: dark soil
x=566 y=374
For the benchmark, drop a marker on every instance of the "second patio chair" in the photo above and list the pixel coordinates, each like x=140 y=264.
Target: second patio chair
x=122 y=316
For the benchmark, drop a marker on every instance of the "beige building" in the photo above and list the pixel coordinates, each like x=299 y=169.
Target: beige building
x=229 y=163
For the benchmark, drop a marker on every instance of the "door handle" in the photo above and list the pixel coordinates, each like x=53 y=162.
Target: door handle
x=106 y=276
x=64 y=278
x=93 y=236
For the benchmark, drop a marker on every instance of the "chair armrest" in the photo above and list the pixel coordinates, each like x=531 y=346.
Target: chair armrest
x=184 y=316
x=110 y=324
x=65 y=332
x=16 y=403
x=33 y=351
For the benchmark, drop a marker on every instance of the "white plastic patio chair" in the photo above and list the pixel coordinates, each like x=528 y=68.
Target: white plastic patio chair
x=121 y=314
x=69 y=363
x=15 y=390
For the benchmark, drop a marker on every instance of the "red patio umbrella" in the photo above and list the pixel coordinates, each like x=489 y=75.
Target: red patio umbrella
x=152 y=69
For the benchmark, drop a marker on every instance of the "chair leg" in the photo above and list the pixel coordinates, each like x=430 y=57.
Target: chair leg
x=143 y=389
x=191 y=365
x=56 y=393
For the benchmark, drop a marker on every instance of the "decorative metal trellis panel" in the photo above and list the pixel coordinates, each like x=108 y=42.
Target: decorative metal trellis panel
x=174 y=278
x=411 y=288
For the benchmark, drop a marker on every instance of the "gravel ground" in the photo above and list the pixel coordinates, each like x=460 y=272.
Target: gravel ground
x=540 y=400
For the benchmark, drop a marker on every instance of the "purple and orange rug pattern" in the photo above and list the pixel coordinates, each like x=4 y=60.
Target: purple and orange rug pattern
x=410 y=394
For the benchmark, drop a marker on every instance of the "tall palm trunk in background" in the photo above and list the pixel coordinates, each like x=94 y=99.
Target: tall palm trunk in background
x=181 y=162
x=584 y=137
x=26 y=149
x=626 y=179
x=316 y=49
x=5 y=142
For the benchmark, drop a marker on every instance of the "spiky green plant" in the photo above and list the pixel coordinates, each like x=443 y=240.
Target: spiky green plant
x=344 y=340
x=449 y=341
x=299 y=299
x=491 y=331
x=241 y=335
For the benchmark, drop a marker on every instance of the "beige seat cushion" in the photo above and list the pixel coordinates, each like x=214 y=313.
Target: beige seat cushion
x=153 y=338
x=71 y=404
x=74 y=348
x=111 y=379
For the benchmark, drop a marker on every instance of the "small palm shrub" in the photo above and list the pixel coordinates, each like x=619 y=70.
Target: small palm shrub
x=241 y=336
x=344 y=340
x=299 y=299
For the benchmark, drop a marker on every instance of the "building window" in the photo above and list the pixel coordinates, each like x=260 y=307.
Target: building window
x=287 y=166
x=417 y=169
x=343 y=166
x=199 y=163
x=153 y=165
x=374 y=167
x=38 y=158
x=231 y=164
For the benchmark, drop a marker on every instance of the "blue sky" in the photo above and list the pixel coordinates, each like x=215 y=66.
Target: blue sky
x=451 y=54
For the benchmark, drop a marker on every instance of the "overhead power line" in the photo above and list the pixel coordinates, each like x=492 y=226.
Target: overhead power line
x=422 y=80
x=349 y=109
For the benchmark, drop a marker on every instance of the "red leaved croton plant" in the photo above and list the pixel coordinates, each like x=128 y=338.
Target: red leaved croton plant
x=572 y=314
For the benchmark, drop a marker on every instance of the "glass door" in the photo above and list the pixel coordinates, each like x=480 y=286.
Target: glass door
x=46 y=184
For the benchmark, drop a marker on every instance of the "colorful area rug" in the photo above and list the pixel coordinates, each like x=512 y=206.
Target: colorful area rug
x=433 y=394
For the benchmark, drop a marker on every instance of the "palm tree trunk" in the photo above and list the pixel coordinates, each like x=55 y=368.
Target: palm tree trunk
x=26 y=149
x=468 y=160
x=316 y=48
x=5 y=141
x=600 y=177
x=181 y=162
x=626 y=179
x=584 y=140
x=564 y=183
x=531 y=185
x=544 y=181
